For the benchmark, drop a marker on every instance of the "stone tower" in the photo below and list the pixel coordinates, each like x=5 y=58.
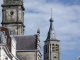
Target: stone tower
x=13 y=15
x=51 y=45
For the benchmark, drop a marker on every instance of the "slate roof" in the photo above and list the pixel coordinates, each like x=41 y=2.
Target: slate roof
x=26 y=42
x=51 y=32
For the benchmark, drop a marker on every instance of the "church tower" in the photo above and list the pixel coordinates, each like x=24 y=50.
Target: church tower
x=51 y=45
x=13 y=15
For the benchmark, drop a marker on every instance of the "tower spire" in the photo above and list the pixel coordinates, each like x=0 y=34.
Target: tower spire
x=50 y=52
x=51 y=32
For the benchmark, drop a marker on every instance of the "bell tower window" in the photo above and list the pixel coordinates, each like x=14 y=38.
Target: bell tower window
x=46 y=48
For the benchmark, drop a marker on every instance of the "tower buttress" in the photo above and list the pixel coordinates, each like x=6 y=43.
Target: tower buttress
x=13 y=15
x=51 y=45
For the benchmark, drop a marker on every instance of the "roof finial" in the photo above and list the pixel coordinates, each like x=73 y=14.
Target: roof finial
x=51 y=12
x=38 y=30
x=51 y=20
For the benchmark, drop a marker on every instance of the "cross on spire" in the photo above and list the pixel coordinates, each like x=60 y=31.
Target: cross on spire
x=51 y=20
x=51 y=12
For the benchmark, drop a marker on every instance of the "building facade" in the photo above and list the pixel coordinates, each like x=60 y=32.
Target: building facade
x=28 y=46
x=7 y=45
x=13 y=15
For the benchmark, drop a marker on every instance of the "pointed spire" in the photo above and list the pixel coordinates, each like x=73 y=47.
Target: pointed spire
x=51 y=32
x=38 y=30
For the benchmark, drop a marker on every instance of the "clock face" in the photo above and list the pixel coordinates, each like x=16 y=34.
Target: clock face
x=11 y=14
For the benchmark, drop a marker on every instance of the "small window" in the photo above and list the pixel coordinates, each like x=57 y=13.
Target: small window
x=56 y=49
x=52 y=47
x=6 y=37
x=46 y=48
x=11 y=32
x=56 y=45
x=4 y=32
x=52 y=50
x=55 y=57
x=12 y=12
x=52 y=44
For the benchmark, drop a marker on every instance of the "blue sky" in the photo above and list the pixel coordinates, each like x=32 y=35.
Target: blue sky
x=66 y=15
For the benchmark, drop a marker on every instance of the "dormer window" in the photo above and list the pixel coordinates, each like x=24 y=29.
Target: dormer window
x=4 y=32
x=6 y=37
x=11 y=32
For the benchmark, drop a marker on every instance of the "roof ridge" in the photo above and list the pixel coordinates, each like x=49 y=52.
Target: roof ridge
x=24 y=35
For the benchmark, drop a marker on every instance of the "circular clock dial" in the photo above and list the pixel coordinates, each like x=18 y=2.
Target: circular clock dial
x=11 y=14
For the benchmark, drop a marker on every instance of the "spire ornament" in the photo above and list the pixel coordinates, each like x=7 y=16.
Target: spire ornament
x=38 y=30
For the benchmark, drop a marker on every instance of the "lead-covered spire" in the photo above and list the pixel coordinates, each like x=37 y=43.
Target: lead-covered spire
x=51 y=32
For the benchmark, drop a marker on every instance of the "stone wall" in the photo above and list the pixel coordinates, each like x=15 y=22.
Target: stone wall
x=27 y=55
